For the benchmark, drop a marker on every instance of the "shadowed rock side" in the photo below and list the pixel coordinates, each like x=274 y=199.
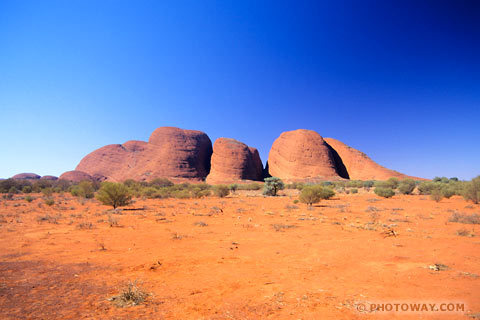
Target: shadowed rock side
x=170 y=153
x=301 y=155
x=234 y=161
x=358 y=166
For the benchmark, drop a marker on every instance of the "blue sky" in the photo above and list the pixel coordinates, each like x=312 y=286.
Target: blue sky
x=398 y=80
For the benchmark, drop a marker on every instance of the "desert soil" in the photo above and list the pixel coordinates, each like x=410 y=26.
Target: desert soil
x=240 y=257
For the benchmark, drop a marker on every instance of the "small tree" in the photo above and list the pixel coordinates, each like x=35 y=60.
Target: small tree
x=472 y=190
x=384 y=192
x=233 y=187
x=272 y=186
x=313 y=194
x=114 y=194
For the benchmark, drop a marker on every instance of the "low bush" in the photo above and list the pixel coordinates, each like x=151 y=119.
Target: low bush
x=471 y=191
x=384 y=192
x=221 y=191
x=436 y=195
x=406 y=186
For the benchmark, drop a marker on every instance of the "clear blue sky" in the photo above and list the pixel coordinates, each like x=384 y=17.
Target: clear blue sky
x=399 y=80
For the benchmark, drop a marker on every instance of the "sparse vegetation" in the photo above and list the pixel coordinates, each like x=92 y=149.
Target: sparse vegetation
x=131 y=295
x=465 y=218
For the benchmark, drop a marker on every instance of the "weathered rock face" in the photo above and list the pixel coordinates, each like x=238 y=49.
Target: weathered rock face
x=301 y=155
x=26 y=176
x=234 y=161
x=170 y=153
x=355 y=165
x=76 y=176
x=51 y=178
x=116 y=162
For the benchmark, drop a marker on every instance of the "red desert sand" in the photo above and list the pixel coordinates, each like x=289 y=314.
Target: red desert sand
x=240 y=257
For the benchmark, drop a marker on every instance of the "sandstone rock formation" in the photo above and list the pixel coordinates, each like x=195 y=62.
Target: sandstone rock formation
x=76 y=176
x=234 y=161
x=301 y=155
x=26 y=176
x=52 y=178
x=171 y=153
x=355 y=165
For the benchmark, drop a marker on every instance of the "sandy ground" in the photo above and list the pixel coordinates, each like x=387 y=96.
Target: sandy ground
x=241 y=257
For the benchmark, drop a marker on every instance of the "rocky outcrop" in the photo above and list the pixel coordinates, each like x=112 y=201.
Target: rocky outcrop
x=234 y=161
x=301 y=155
x=26 y=176
x=76 y=176
x=356 y=165
x=172 y=153
x=51 y=178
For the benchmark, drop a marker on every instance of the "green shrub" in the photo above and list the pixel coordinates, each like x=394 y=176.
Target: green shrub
x=436 y=195
x=391 y=183
x=354 y=184
x=160 y=183
x=272 y=186
x=49 y=202
x=426 y=187
x=233 y=187
x=221 y=191
x=354 y=190
x=114 y=194
x=199 y=192
x=27 y=189
x=13 y=190
x=406 y=186
x=29 y=198
x=250 y=186
x=368 y=184
x=472 y=190
x=313 y=194
x=84 y=189
x=448 y=191
x=384 y=192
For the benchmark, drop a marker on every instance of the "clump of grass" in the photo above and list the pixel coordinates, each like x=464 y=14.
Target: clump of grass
x=85 y=225
x=49 y=202
x=464 y=233
x=282 y=227
x=177 y=236
x=130 y=295
x=465 y=218
x=200 y=224
x=112 y=221
x=48 y=218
